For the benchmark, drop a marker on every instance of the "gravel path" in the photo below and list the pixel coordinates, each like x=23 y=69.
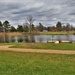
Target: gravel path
x=6 y=48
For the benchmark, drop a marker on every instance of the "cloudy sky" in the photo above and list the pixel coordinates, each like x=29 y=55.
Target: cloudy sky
x=48 y=12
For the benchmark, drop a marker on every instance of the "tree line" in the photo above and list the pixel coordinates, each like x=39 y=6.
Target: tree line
x=61 y=27
x=30 y=27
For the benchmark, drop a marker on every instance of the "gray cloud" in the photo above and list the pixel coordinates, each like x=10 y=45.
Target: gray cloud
x=47 y=12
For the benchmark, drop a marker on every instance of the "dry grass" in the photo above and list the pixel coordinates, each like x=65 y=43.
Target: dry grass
x=11 y=33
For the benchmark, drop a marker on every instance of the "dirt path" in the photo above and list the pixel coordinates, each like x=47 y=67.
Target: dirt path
x=6 y=48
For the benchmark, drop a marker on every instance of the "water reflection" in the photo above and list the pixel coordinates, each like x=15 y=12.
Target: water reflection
x=26 y=39
x=36 y=38
x=32 y=38
x=4 y=38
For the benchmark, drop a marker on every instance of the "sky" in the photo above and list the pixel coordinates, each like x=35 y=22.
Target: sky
x=48 y=12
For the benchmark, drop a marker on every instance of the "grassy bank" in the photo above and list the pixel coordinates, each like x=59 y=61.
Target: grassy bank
x=57 y=33
x=15 y=63
x=12 y=33
x=52 y=46
x=41 y=33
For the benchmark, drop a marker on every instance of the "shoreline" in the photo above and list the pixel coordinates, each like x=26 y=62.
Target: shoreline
x=38 y=33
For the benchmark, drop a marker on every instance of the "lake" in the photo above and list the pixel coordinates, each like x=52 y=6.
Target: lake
x=37 y=38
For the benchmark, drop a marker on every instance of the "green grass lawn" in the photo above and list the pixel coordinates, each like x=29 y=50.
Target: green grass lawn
x=16 y=63
x=48 y=46
x=62 y=46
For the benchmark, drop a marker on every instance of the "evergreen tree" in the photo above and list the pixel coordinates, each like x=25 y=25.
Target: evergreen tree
x=1 y=27
x=59 y=26
x=26 y=28
x=12 y=29
x=6 y=26
x=40 y=27
x=20 y=28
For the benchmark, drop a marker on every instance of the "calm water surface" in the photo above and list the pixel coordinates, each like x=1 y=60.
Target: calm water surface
x=37 y=38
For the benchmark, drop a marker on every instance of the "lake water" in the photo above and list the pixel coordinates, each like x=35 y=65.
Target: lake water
x=37 y=38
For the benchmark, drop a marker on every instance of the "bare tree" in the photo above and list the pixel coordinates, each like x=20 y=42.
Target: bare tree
x=30 y=21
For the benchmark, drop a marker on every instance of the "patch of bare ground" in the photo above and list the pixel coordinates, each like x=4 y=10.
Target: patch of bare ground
x=6 y=48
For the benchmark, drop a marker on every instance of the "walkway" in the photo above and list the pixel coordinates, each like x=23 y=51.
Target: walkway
x=6 y=48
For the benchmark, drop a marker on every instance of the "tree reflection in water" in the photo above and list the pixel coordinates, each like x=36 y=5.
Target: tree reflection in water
x=36 y=38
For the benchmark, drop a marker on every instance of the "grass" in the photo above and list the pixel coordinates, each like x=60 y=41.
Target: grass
x=57 y=33
x=3 y=44
x=52 y=46
x=12 y=33
x=15 y=63
x=47 y=46
x=41 y=33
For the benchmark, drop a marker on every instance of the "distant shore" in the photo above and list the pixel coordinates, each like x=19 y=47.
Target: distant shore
x=58 y=33
x=40 y=33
